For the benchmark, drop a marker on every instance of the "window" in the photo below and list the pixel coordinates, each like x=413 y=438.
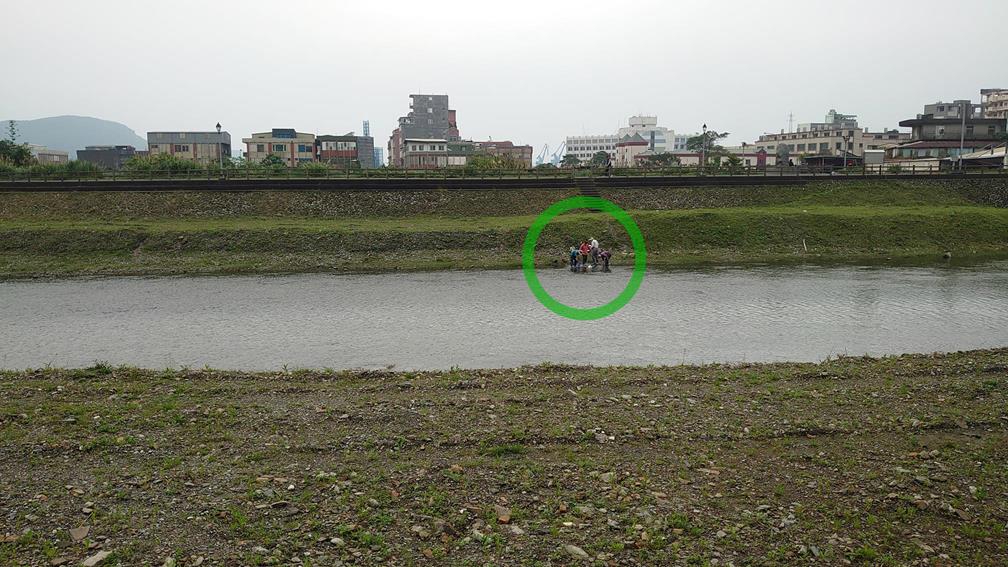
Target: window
x=154 y=146
x=839 y=146
x=278 y=147
x=304 y=148
x=181 y=147
x=801 y=147
x=260 y=148
x=969 y=130
x=823 y=147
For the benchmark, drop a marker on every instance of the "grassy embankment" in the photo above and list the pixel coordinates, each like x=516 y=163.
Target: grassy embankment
x=892 y=461
x=48 y=234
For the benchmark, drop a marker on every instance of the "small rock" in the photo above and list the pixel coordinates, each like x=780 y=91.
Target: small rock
x=576 y=552
x=60 y=561
x=607 y=477
x=198 y=561
x=517 y=531
x=168 y=562
x=96 y=559
x=78 y=534
x=720 y=534
x=337 y=541
x=503 y=514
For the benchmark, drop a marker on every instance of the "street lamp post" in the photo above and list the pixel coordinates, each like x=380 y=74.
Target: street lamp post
x=220 y=150
x=703 y=149
x=962 y=134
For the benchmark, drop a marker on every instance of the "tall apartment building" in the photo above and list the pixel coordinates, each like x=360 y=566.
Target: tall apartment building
x=345 y=151
x=107 y=157
x=379 y=157
x=202 y=147
x=287 y=144
x=839 y=135
x=429 y=118
x=994 y=103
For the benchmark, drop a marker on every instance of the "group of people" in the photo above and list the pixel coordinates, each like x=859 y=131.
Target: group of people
x=587 y=257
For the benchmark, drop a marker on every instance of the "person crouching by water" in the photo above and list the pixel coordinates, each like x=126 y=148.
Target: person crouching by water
x=605 y=255
x=585 y=250
x=573 y=258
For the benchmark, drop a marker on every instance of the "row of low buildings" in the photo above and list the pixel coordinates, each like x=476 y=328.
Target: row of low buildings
x=943 y=131
x=208 y=148
x=428 y=137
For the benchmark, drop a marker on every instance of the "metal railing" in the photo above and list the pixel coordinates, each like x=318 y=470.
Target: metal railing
x=524 y=174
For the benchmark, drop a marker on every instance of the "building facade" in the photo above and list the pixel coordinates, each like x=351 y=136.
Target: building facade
x=584 y=147
x=379 y=157
x=839 y=135
x=293 y=147
x=345 y=151
x=425 y=153
x=522 y=154
x=994 y=103
x=658 y=139
x=629 y=147
x=429 y=118
x=947 y=136
x=46 y=156
x=107 y=157
x=205 y=148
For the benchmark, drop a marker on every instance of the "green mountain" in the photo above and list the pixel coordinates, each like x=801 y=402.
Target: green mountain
x=72 y=133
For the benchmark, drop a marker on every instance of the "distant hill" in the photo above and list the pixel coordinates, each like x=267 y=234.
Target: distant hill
x=72 y=133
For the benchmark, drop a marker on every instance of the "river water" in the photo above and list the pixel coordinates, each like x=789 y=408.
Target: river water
x=490 y=319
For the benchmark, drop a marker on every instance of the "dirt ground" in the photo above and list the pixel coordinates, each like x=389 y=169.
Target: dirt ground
x=896 y=461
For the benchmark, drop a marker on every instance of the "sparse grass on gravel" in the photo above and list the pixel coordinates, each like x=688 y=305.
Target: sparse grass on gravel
x=893 y=461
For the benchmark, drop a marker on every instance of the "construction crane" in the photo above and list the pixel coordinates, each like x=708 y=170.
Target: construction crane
x=542 y=155
x=558 y=155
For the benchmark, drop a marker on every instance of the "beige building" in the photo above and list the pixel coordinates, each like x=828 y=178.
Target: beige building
x=994 y=103
x=44 y=155
x=839 y=134
x=425 y=153
x=205 y=148
x=294 y=148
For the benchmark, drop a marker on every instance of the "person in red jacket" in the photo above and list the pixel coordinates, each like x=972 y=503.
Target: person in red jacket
x=585 y=250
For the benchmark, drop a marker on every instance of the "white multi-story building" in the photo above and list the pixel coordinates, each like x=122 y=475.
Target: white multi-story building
x=659 y=139
x=584 y=147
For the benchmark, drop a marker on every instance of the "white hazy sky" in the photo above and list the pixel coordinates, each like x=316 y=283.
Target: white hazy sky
x=529 y=71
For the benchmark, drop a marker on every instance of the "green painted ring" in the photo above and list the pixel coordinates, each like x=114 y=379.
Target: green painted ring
x=579 y=313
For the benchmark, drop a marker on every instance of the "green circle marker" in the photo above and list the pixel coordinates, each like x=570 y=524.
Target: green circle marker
x=578 y=313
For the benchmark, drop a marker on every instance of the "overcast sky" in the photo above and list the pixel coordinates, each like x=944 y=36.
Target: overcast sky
x=529 y=71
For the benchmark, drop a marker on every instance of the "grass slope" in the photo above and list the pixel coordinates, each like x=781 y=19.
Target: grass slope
x=93 y=234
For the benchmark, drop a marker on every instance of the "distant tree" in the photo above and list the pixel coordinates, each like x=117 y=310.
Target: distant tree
x=18 y=155
x=708 y=143
x=570 y=160
x=546 y=165
x=12 y=131
x=661 y=160
x=272 y=161
x=599 y=159
x=484 y=162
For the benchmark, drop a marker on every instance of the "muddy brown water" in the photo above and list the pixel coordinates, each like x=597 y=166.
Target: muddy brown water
x=490 y=319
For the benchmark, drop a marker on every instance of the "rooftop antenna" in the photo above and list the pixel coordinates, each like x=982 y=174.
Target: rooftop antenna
x=367 y=128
